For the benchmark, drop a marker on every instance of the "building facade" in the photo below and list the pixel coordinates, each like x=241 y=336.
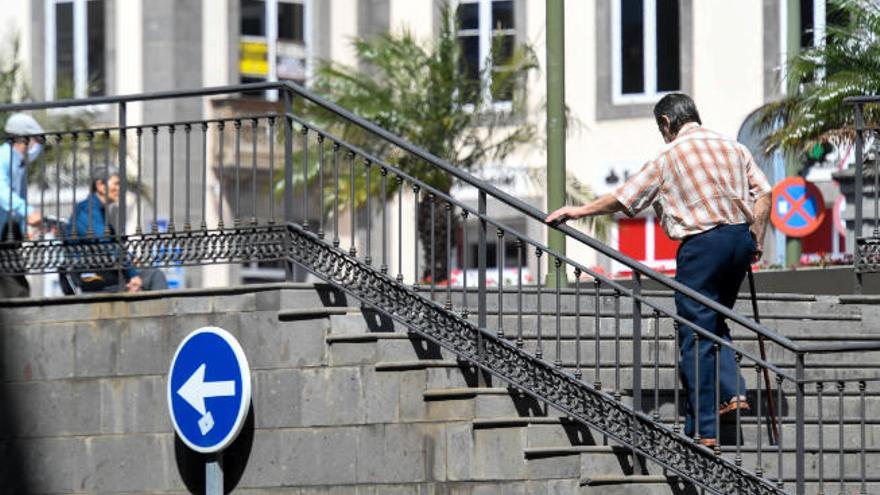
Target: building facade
x=621 y=57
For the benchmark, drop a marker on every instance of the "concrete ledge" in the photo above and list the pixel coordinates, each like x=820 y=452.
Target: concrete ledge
x=159 y=294
x=365 y=337
x=462 y=393
x=312 y=313
x=419 y=364
x=614 y=479
x=516 y=421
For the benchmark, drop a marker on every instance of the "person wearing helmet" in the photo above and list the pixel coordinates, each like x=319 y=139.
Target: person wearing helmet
x=20 y=147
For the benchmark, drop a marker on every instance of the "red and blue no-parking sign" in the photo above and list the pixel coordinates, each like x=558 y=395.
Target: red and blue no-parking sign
x=798 y=207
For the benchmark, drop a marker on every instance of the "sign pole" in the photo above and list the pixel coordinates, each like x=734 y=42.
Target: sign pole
x=214 y=475
x=555 y=32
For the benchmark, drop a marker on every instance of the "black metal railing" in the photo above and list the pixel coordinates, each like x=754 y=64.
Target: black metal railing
x=867 y=249
x=603 y=352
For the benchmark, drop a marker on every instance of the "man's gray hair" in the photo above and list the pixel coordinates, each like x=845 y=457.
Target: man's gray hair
x=103 y=174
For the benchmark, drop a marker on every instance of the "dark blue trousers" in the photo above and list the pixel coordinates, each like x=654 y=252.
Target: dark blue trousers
x=714 y=264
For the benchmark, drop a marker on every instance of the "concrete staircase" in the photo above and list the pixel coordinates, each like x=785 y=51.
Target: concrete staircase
x=347 y=402
x=548 y=446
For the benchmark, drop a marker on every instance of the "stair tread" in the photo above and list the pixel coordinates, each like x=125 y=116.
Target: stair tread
x=462 y=392
x=416 y=364
x=614 y=479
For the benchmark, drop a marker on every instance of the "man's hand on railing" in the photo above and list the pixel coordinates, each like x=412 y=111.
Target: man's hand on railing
x=565 y=214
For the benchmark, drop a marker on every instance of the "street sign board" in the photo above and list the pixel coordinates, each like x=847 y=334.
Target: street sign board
x=209 y=389
x=798 y=207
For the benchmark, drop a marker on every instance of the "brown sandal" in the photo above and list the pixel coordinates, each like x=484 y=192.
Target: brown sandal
x=734 y=404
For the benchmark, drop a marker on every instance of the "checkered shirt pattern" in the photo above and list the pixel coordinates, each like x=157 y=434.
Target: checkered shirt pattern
x=697 y=182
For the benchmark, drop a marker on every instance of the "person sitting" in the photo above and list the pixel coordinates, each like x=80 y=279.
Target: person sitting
x=90 y=223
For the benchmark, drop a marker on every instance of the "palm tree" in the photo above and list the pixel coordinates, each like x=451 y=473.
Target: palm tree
x=847 y=64
x=420 y=92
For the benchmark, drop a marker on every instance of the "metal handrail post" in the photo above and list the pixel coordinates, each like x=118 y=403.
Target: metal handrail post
x=637 y=356
x=858 y=194
x=800 y=434
x=481 y=277
x=289 y=268
x=123 y=189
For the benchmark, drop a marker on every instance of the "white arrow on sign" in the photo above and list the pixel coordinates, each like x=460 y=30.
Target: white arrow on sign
x=196 y=390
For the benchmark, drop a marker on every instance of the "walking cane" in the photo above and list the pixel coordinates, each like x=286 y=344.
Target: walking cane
x=771 y=405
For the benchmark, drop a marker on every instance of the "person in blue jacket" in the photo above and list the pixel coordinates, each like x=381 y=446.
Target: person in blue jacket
x=21 y=146
x=90 y=224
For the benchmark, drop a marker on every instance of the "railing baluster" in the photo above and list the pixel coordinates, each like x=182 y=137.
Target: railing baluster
x=520 y=249
x=432 y=244
x=42 y=160
x=499 y=260
x=305 y=143
x=577 y=323
x=759 y=465
x=676 y=409
x=637 y=360
x=617 y=392
x=841 y=386
x=187 y=129
x=73 y=153
x=819 y=389
x=237 y=205
x=221 y=133
x=321 y=193
x=368 y=258
x=597 y=329
x=656 y=415
x=336 y=194
x=717 y=355
x=464 y=263
x=352 y=251
x=59 y=143
x=384 y=173
x=558 y=263
x=272 y=173
x=696 y=405
x=91 y=137
x=481 y=282
x=9 y=235
x=862 y=387
x=204 y=224
x=254 y=126
x=738 y=460
x=417 y=209
x=539 y=353
x=106 y=177
x=780 y=461
x=449 y=218
x=400 y=229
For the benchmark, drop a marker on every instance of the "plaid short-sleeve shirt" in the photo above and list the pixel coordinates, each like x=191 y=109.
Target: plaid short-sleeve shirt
x=698 y=181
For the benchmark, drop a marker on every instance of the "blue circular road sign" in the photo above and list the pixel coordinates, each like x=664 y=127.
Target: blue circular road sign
x=209 y=389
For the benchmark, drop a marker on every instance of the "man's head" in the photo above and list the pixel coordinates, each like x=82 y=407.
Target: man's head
x=105 y=184
x=22 y=128
x=674 y=111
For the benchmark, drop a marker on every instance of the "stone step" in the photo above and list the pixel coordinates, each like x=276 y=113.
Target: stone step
x=791 y=325
x=567 y=298
x=611 y=352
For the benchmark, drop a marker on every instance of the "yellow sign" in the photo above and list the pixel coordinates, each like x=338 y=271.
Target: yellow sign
x=253 y=58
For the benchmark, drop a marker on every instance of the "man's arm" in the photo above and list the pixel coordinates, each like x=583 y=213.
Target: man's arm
x=759 y=227
x=604 y=205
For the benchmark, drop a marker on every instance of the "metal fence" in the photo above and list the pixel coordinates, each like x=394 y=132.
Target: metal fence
x=358 y=213
x=867 y=252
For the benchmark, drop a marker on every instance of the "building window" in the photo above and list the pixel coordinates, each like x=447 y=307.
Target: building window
x=75 y=65
x=487 y=39
x=274 y=43
x=646 y=49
